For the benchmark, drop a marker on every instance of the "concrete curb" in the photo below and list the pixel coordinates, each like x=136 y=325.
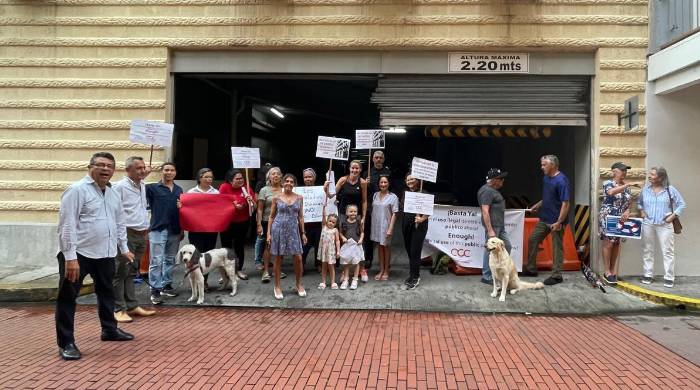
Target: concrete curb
x=659 y=297
x=24 y=293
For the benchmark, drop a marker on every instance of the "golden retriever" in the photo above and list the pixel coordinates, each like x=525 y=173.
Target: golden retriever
x=504 y=272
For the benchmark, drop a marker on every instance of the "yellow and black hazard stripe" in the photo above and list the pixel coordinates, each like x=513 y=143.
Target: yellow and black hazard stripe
x=487 y=132
x=582 y=227
x=517 y=202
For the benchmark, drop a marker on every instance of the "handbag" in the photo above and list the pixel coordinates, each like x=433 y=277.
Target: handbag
x=677 y=226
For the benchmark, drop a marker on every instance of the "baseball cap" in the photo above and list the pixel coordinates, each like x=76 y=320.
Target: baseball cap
x=495 y=173
x=620 y=165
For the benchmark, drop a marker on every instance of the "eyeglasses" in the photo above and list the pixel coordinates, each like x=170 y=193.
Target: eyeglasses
x=103 y=166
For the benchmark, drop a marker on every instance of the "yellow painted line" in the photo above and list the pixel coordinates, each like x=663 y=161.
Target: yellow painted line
x=659 y=297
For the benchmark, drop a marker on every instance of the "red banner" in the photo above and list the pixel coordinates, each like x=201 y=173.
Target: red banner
x=206 y=213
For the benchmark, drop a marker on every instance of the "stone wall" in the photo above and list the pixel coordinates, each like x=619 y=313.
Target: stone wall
x=73 y=73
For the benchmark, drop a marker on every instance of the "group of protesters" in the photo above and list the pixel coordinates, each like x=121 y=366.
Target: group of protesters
x=103 y=230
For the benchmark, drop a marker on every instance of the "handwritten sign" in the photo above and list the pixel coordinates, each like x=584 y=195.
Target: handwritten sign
x=424 y=169
x=369 y=139
x=313 y=202
x=151 y=133
x=418 y=203
x=631 y=228
x=333 y=148
x=245 y=157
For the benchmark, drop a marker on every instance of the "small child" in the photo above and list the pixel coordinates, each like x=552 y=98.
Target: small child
x=328 y=249
x=351 y=252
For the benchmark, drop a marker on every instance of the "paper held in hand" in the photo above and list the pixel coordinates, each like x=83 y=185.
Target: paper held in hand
x=245 y=157
x=369 y=139
x=424 y=169
x=151 y=133
x=314 y=198
x=418 y=203
x=333 y=148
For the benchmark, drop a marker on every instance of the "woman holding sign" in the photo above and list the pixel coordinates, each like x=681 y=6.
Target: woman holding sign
x=312 y=229
x=617 y=198
x=244 y=206
x=283 y=232
x=352 y=189
x=414 y=229
x=201 y=240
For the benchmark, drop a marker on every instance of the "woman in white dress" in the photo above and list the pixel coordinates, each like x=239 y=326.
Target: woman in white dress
x=385 y=205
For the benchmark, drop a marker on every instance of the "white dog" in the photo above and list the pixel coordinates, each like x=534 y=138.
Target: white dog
x=200 y=264
x=503 y=270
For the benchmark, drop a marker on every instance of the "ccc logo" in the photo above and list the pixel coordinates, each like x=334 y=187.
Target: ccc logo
x=460 y=252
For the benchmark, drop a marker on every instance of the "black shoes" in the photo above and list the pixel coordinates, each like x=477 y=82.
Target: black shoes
x=70 y=352
x=117 y=335
x=552 y=280
x=486 y=281
x=411 y=285
x=527 y=273
x=155 y=297
x=169 y=291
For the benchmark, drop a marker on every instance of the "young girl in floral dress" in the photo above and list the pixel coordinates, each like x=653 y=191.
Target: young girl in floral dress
x=329 y=249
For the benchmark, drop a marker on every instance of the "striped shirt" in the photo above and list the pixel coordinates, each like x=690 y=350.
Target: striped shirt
x=657 y=206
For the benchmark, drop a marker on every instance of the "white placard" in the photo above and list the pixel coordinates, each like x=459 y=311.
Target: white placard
x=458 y=232
x=489 y=62
x=314 y=197
x=333 y=148
x=418 y=203
x=245 y=157
x=422 y=169
x=369 y=139
x=151 y=133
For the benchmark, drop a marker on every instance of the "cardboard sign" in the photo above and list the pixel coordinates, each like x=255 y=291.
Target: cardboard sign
x=418 y=203
x=333 y=148
x=424 y=169
x=632 y=228
x=245 y=157
x=458 y=232
x=151 y=133
x=314 y=197
x=369 y=139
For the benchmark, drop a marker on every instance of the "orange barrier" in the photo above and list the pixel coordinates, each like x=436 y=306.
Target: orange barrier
x=544 y=252
x=145 y=260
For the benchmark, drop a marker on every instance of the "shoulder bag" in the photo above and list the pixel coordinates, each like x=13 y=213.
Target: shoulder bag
x=677 y=226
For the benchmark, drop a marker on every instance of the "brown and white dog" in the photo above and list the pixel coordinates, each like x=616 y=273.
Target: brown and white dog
x=200 y=264
x=504 y=272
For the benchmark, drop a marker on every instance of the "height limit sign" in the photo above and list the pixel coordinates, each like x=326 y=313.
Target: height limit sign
x=489 y=63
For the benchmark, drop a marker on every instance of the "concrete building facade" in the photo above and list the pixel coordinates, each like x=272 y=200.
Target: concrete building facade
x=74 y=73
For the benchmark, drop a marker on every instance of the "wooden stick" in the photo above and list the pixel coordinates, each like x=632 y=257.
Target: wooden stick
x=420 y=191
x=150 y=159
x=247 y=180
x=369 y=166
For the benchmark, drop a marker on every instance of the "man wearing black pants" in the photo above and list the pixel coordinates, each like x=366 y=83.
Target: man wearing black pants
x=91 y=228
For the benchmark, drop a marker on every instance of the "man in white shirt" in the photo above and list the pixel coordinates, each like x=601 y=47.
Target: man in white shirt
x=90 y=229
x=132 y=192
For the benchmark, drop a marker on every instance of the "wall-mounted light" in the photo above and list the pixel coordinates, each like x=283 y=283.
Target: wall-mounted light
x=395 y=130
x=277 y=112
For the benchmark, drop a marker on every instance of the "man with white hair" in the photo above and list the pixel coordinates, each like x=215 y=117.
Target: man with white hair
x=132 y=192
x=553 y=211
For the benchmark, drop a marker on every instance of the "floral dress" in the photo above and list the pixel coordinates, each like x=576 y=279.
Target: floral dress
x=612 y=205
x=285 y=240
x=326 y=247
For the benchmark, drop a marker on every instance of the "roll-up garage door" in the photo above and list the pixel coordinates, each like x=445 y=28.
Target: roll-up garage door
x=453 y=100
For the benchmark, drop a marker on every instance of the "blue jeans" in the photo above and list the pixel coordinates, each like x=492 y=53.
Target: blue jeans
x=485 y=268
x=163 y=247
x=260 y=242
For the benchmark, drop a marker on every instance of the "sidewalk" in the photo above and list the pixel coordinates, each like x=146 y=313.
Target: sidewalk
x=445 y=293
x=32 y=284
x=221 y=348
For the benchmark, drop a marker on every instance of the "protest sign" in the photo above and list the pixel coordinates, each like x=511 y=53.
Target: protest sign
x=424 y=169
x=631 y=228
x=457 y=231
x=245 y=157
x=418 y=203
x=333 y=148
x=369 y=139
x=151 y=133
x=314 y=197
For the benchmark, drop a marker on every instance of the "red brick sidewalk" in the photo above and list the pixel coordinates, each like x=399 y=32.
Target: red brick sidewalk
x=225 y=348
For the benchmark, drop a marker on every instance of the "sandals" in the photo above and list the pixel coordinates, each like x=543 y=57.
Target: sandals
x=302 y=292
x=378 y=276
x=279 y=295
x=321 y=286
x=334 y=286
x=385 y=277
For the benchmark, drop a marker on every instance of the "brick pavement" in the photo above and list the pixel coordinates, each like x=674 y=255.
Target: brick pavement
x=249 y=348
